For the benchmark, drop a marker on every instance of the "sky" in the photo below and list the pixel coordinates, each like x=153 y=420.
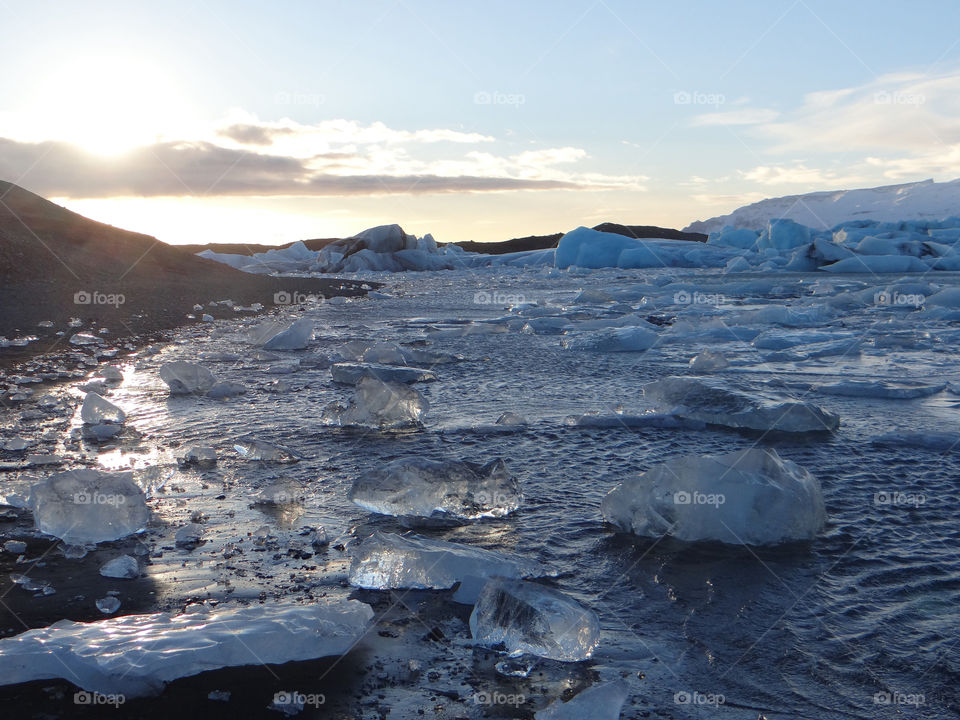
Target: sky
x=205 y=121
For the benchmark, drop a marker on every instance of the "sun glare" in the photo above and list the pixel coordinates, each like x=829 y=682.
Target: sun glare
x=109 y=104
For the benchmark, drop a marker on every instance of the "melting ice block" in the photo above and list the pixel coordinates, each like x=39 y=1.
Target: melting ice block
x=708 y=361
x=625 y=339
x=386 y=561
x=698 y=399
x=295 y=337
x=751 y=497
x=353 y=373
x=251 y=448
x=417 y=489
x=137 y=655
x=97 y=409
x=379 y=404
x=599 y=702
x=88 y=506
x=184 y=378
x=392 y=354
x=526 y=617
x=124 y=567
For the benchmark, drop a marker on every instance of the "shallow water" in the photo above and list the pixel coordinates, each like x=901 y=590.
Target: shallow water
x=807 y=631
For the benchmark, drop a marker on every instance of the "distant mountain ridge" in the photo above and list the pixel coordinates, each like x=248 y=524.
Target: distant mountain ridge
x=923 y=200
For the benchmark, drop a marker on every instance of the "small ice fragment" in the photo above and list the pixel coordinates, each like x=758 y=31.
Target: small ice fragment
x=219 y=695
x=708 y=361
x=110 y=373
x=97 y=410
x=625 y=339
x=207 y=318
x=84 y=339
x=108 y=605
x=280 y=492
x=295 y=337
x=511 y=418
x=200 y=456
x=516 y=667
x=17 y=444
x=598 y=702
x=17 y=547
x=226 y=389
x=526 y=617
x=184 y=378
x=250 y=448
x=88 y=506
x=124 y=567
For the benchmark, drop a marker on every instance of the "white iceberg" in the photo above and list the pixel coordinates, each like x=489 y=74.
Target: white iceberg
x=136 y=655
x=525 y=617
x=88 y=506
x=749 y=497
x=416 y=490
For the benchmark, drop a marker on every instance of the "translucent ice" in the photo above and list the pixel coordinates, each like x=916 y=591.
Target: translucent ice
x=295 y=337
x=698 y=399
x=96 y=410
x=124 y=567
x=379 y=404
x=108 y=605
x=391 y=354
x=137 y=655
x=415 y=488
x=525 y=617
x=708 y=361
x=598 y=702
x=88 y=506
x=883 y=389
x=184 y=378
x=251 y=448
x=386 y=561
x=625 y=339
x=352 y=373
x=751 y=497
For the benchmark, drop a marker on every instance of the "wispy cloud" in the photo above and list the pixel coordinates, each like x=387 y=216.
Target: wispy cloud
x=747 y=116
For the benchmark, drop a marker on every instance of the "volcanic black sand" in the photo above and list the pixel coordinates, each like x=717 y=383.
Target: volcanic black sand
x=56 y=265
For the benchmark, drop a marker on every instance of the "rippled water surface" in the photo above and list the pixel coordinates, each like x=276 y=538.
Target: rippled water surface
x=865 y=614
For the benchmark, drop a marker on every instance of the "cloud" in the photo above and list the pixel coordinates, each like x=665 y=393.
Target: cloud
x=798 y=174
x=199 y=168
x=747 y=116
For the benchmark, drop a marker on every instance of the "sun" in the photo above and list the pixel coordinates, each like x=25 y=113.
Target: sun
x=109 y=104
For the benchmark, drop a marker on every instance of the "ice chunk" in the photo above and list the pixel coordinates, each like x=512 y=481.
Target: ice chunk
x=97 y=409
x=708 y=362
x=883 y=389
x=251 y=448
x=525 y=617
x=942 y=442
x=184 y=378
x=750 y=497
x=226 y=389
x=110 y=373
x=190 y=536
x=88 y=506
x=280 y=492
x=205 y=457
x=379 y=404
x=124 y=567
x=108 y=605
x=386 y=561
x=295 y=337
x=598 y=702
x=137 y=655
x=415 y=488
x=391 y=354
x=625 y=339
x=698 y=399
x=352 y=373
x=84 y=339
